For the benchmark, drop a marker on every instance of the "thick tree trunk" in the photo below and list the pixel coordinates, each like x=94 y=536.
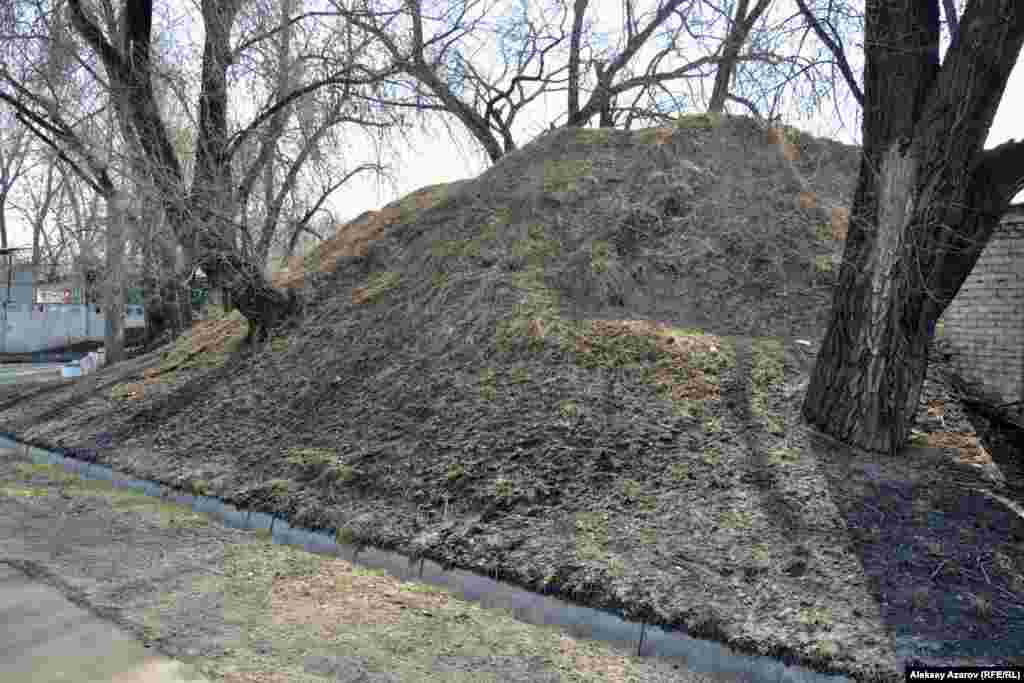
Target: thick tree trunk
x=246 y=289
x=928 y=199
x=113 y=299
x=899 y=275
x=201 y=221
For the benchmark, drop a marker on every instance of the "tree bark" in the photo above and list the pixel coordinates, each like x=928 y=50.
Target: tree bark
x=113 y=292
x=928 y=199
x=739 y=31
x=579 y=12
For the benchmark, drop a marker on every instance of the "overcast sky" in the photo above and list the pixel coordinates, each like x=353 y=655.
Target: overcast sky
x=434 y=157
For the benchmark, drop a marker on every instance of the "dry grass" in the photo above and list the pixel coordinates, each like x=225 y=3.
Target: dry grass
x=353 y=239
x=969 y=450
x=688 y=361
x=342 y=595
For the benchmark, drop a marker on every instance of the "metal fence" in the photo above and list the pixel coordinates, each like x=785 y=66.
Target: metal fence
x=28 y=328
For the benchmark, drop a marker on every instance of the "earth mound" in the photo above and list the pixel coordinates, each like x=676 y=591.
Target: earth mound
x=582 y=371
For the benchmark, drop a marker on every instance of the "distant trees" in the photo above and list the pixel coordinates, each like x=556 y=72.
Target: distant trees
x=927 y=201
x=543 y=49
x=105 y=54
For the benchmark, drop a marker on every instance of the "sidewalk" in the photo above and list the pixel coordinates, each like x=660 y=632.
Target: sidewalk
x=45 y=638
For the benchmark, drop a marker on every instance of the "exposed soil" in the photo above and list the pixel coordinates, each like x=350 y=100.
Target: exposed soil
x=582 y=372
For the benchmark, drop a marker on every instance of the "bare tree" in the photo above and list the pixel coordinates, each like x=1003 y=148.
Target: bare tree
x=14 y=155
x=928 y=198
x=296 y=139
x=199 y=214
x=739 y=30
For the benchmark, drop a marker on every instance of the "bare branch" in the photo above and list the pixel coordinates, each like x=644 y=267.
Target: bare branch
x=836 y=48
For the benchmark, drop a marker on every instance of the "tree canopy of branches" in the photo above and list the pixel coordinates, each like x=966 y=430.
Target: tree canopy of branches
x=555 y=49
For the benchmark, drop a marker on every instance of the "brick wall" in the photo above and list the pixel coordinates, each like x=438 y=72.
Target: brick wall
x=985 y=323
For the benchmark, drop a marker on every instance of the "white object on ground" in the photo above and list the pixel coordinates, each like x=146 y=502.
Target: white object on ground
x=88 y=363
x=803 y=342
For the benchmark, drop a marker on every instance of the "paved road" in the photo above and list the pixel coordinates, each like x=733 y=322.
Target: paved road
x=44 y=638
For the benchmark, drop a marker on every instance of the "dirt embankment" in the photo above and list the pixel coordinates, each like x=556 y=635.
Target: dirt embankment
x=582 y=371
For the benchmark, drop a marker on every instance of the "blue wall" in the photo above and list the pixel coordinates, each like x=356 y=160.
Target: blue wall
x=21 y=286
x=27 y=327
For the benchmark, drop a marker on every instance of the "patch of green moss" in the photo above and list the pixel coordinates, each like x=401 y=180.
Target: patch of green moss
x=541 y=304
x=679 y=471
x=456 y=248
x=592 y=135
x=312 y=457
x=279 y=344
x=561 y=175
x=345 y=536
x=409 y=206
x=783 y=456
x=568 y=409
x=600 y=251
x=278 y=488
x=689 y=408
x=537 y=247
x=633 y=492
x=519 y=376
x=378 y=284
x=52 y=472
x=488 y=384
x=736 y=519
x=703 y=121
x=456 y=472
x=791 y=135
x=599 y=351
x=713 y=425
x=311 y=260
x=500 y=218
x=823 y=263
x=712 y=455
x=503 y=488
x=766 y=372
x=648 y=536
x=591 y=535
x=649 y=136
x=23 y=492
x=120 y=392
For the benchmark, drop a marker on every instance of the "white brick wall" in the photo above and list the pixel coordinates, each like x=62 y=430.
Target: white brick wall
x=985 y=322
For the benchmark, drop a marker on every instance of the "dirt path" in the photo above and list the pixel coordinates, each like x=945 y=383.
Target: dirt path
x=238 y=608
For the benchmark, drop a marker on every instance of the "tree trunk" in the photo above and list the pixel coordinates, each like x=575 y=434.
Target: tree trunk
x=928 y=199
x=579 y=11
x=113 y=299
x=739 y=31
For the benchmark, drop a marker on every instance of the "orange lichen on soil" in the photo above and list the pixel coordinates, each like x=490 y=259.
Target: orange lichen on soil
x=807 y=200
x=840 y=223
